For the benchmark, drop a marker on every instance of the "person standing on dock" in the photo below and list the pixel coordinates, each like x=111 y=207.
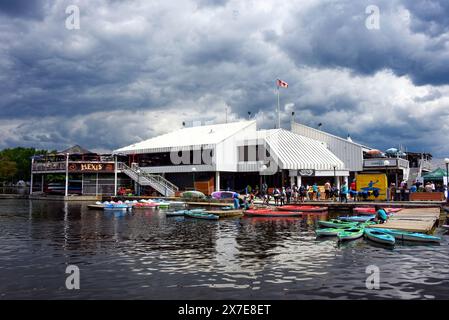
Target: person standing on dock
x=327 y=190
x=344 y=192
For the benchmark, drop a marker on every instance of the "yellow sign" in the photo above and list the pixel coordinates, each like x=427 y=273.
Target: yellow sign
x=374 y=184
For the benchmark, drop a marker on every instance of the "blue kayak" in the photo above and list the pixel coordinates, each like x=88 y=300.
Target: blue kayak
x=357 y=218
x=410 y=236
x=379 y=236
x=176 y=213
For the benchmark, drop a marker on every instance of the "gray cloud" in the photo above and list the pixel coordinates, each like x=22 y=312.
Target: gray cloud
x=135 y=69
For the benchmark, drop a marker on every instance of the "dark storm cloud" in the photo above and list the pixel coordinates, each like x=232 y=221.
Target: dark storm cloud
x=23 y=8
x=105 y=85
x=333 y=34
x=430 y=17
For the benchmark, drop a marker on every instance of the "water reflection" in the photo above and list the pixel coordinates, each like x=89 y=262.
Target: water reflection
x=144 y=254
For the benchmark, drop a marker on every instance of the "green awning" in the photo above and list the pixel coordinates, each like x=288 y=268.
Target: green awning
x=435 y=174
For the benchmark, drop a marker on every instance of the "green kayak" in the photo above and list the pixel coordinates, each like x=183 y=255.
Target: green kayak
x=334 y=223
x=379 y=236
x=409 y=236
x=331 y=232
x=350 y=234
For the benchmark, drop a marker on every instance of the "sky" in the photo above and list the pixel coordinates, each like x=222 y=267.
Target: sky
x=136 y=69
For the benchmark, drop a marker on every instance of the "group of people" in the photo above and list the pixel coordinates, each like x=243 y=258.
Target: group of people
x=295 y=194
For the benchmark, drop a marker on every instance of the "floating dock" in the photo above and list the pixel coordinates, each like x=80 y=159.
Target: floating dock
x=415 y=220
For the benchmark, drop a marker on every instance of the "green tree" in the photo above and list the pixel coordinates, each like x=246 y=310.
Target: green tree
x=22 y=159
x=8 y=169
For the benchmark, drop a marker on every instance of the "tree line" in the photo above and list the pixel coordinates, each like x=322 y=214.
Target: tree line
x=15 y=163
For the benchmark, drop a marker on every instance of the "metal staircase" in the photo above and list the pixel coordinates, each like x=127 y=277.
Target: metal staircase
x=157 y=182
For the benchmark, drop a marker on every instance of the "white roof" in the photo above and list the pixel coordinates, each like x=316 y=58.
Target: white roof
x=296 y=152
x=191 y=137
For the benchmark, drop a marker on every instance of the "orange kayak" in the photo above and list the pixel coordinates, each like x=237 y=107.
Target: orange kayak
x=271 y=213
x=302 y=208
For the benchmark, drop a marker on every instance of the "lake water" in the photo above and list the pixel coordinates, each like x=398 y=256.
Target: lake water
x=145 y=255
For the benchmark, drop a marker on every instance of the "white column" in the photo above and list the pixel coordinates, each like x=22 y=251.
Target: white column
x=42 y=183
x=31 y=179
x=96 y=186
x=292 y=181
x=217 y=181
x=115 y=175
x=67 y=175
x=337 y=182
x=82 y=184
x=299 y=179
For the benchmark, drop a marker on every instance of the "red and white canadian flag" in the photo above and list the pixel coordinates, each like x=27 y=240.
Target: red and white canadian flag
x=281 y=83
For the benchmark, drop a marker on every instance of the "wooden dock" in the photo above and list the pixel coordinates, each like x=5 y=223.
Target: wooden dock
x=415 y=220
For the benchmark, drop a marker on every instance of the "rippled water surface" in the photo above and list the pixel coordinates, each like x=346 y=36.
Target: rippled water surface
x=145 y=255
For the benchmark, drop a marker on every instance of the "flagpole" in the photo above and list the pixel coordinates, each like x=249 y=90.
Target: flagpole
x=278 y=110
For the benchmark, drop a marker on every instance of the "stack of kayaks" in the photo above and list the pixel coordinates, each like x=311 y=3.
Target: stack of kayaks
x=144 y=205
x=409 y=236
x=378 y=236
x=116 y=206
x=176 y=213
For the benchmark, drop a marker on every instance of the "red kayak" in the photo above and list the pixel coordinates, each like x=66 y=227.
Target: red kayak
x=146 y=205
x=302 y=208
x=270 y=213
x=362 y=210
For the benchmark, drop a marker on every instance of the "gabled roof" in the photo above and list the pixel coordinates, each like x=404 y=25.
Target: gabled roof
x=187 y=138
x=296 y=152
x=76 y=149
x=331 y=135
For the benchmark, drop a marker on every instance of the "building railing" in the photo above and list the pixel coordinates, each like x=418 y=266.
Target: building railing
x=156 y=181
x=49 y=166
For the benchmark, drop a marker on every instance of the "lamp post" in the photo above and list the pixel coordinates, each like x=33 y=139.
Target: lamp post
x=446 y=161
x=138 y=181
x=386 y=164
x=193 y=173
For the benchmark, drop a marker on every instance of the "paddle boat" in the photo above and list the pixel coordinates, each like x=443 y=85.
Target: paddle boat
x=271 y=213
x=350 y=234
x=302 y=208
x=379 y=236
x=201 y=215
x=357 y=218
x=145 y=205
x=193 y=195
x=115 y=206
x=409 y=236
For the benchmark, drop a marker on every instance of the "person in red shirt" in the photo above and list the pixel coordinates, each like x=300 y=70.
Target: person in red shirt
x=353 y=189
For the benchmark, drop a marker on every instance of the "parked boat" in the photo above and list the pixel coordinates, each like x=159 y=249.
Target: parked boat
x=115 y=206
x=302 y=208
x=201 y=215
x=350 y=234
x=193 y=195
x=226 y=213
x=177 y=213
x=334 y=223
x=271 y=213
x=379 y=236
x=357 y=218
x=223 y=195
x=145 y=205
x=332 y=232
x=410 y=236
